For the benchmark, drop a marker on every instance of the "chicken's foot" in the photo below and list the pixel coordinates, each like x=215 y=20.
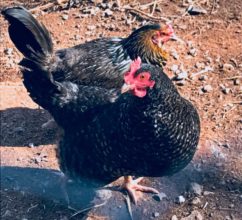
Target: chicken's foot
x=133 y=185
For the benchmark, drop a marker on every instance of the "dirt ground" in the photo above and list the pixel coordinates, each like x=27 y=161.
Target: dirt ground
x=30 y=181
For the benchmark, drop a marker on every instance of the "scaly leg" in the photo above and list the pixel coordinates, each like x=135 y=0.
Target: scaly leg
x=132 y=185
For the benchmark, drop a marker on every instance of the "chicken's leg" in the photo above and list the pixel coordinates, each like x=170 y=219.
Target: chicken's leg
x=133 y=185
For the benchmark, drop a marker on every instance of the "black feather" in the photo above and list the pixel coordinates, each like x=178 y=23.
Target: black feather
x=30 y=37
x=152 y=136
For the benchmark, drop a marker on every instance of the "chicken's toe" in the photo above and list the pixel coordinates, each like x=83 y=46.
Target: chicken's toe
x=131 y=186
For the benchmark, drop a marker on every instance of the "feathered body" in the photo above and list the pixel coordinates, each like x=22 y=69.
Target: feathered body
x=155 y=135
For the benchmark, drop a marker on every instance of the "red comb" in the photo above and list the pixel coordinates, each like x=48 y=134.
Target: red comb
x=170 y=29
x=135 y=65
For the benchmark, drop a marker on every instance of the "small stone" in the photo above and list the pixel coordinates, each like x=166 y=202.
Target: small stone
x=103 y=194
x=10 y=63
x=37 y=160
x=174 y=68
x=228 y=67
x=65 y=17
x=209 y=60
x=31 y=145
x=128 y=21
x=108 y=12
x=77 y=37
x=182 y=75
x=196 y=201
x=226 y=90
x=203 y=78
x=111 y=27
x=181 y=199
x=236 y=82
x=103 y=5
x=182 y=27
x=196 y=188
x=226 y=145
x=93 y=11
x=231 y=206
x=160 y=196
x=193 y=52
x=199 y=65
x=190 y=44
x=195 y=215
x=206 y=193
x=175 y=54
x=91 y=27
x=88 y=33
x=8 y=51
x=195 y=10
x=174 y=217
x=156 y=214
x=207 y=88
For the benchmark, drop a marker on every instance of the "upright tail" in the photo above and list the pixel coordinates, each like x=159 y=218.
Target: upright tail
x=30 y=37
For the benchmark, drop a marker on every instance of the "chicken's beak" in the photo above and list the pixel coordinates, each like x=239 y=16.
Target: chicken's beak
x=176 y=38
x=126 y=87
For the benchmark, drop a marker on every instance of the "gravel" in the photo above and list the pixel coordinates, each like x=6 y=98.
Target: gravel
x=195 y=215
x=195 y=10
x=196 y=201
x=207 y=88
x=236 y=82
x=182 y=75
x=108 y=13
x=65 y=17
x=181 y=199
x=156 y=214
x=174 y=217
x=203 y=78
x=174 y=54
x=160 y=196
x=196 y=188
x=8 y=51
x=228 y=67
x=103 y=194
x=174 y=68
x=192 y=52
x=91 y=27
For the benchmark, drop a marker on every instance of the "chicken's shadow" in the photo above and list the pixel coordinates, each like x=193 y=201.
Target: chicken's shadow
x=23 y=127
x=46 y=185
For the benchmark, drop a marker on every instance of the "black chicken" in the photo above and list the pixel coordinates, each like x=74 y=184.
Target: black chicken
x=149 y=131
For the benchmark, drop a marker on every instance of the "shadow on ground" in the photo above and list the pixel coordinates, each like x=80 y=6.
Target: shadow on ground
x=40 y=191
x=22 y=126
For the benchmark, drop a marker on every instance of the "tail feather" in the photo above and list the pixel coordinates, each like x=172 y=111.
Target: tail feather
x=31 y=37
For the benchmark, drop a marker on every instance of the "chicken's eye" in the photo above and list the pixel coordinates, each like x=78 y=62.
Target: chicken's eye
x=142 y=76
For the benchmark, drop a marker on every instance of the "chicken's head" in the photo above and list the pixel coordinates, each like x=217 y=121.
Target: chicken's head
x=137 y=83
x=147 y=42
x=162 y=35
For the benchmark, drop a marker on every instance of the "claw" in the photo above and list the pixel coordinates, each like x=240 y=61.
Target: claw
x=132 y=186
